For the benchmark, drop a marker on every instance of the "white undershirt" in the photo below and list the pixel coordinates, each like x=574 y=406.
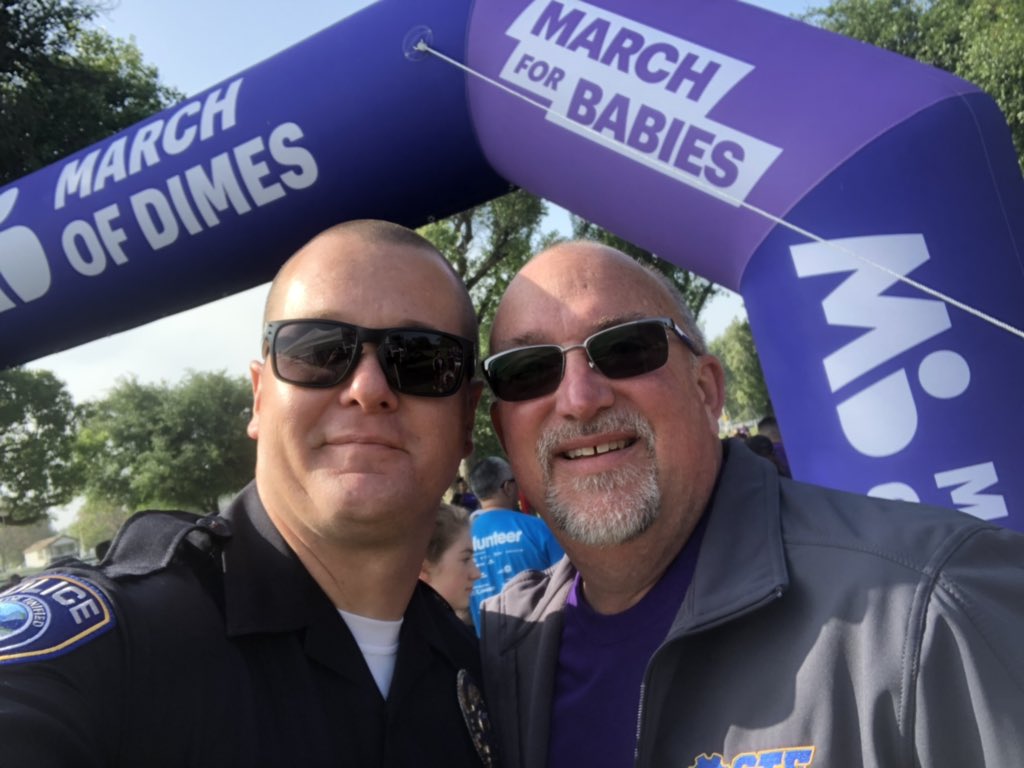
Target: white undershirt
x=378 y=640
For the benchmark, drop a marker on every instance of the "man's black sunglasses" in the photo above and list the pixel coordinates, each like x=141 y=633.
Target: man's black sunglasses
x=321 y=353
x=625 y=350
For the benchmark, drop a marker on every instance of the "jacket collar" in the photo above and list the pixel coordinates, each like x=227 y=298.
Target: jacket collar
x=742 y=562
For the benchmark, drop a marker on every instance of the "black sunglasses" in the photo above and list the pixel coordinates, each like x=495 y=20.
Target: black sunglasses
x=321 y=353
x=619 y=352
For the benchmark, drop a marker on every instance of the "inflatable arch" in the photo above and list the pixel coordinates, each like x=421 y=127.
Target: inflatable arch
x=844 y=191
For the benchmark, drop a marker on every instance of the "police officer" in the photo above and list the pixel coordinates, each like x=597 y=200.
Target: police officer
x=291 y=629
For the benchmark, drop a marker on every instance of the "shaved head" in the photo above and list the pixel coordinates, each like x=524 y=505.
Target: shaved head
x=370 y=231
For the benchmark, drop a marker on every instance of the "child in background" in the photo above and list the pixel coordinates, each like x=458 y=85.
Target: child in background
x=449 y=566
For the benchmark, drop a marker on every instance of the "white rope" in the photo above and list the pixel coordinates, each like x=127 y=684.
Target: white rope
x=423 y=47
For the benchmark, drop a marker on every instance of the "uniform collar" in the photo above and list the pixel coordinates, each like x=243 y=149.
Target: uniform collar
x=266 y=587
x=268 y=590
x=429 y=630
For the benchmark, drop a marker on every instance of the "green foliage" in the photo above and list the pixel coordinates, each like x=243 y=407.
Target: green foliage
x=113 y=432
x=485 y=441
x=890 y=24
x=487 y=245
x=37 y=429
x=979 y=40
x=746 y=395
x=184 y=446
x=64 y=86
x=695 y=289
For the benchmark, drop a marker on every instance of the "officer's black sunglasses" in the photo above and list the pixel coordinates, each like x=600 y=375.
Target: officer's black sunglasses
x=322 y=353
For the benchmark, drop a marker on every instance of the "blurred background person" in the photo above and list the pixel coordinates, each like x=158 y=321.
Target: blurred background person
x=462 y=496
x=506 y=541
x=769 y=427
x=449 y=566
x=763 y=447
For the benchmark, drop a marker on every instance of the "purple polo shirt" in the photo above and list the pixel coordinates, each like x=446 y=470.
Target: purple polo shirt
x=601 y=664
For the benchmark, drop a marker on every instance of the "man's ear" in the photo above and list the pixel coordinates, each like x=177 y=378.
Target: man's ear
x=711 y=383
x=256 y=375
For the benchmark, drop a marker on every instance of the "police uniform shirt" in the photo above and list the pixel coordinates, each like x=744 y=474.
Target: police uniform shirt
x=228 y=656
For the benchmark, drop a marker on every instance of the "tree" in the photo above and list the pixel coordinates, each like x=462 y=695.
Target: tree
x=64 y=86
x=202 y=451
x=746 y=395
x=695 y=289
x=487 y=245
x=113 y=432
x=184 y=446
x=37 y=433
x=979 y=40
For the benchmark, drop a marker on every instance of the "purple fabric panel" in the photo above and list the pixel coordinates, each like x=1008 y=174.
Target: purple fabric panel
x=877 y=386
x=815 y=97
x=342 y=125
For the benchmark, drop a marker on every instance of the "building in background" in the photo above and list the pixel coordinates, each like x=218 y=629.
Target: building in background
x=45 y=551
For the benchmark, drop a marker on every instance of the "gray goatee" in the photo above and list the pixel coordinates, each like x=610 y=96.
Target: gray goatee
x=609 y=508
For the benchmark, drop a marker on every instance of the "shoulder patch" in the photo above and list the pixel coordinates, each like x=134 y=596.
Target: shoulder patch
x=49 y=615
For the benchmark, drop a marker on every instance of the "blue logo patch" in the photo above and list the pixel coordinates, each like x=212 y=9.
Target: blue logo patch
x=49 y=615
x=784 y=757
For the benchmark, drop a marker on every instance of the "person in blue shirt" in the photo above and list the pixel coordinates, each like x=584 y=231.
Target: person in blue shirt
x=505 y=540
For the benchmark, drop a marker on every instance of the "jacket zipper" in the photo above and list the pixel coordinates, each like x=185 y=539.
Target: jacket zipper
x=771 y=597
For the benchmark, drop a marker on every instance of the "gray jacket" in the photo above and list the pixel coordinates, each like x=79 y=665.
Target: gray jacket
x=821 y=628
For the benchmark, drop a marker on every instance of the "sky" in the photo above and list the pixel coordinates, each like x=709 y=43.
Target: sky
x=195 y=44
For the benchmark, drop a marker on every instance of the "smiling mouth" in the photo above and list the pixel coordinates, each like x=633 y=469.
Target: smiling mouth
x=597 y=450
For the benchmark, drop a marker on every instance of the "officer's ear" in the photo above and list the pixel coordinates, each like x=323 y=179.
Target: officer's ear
x=256 y=374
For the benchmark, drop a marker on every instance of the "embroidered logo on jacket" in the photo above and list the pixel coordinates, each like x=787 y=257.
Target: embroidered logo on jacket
x=776 y=757
x=49 y=615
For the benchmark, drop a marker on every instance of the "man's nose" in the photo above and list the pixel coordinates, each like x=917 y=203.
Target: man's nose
x=584 y=391
x=367 y=386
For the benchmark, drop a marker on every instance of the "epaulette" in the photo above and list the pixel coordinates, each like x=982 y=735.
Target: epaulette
x=150 y=540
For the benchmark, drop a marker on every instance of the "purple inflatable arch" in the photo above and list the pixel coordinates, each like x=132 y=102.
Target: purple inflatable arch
x=869 y=209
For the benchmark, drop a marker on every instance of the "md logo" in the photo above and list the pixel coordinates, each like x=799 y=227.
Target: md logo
x=24 y=271
x=881 y=417
x=877 y=411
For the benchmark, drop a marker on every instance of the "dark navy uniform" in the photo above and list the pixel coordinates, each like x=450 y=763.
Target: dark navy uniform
x=208 y=644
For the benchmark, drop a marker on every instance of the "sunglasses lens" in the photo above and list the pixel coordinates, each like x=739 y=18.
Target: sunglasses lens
x=314 y=354
x=522 y=374
x=629 y=350
x=626 y=350
x=423 y=362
